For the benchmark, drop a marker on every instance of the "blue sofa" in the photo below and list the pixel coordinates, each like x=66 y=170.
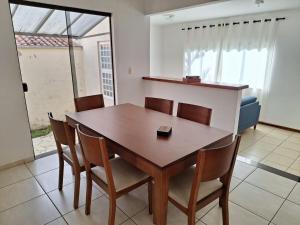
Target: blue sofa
x=249 y=113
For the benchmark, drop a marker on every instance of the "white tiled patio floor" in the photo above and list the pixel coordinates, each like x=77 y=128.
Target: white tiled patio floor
x=29 y=195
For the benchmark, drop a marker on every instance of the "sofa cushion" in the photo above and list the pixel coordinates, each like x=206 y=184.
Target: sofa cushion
x=248 y=100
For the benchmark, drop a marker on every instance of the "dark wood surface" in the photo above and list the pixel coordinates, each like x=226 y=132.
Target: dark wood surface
x=200 y=84
x=194 y=113
x=130 y=132
x=134 y=128
x=89 y=102
x=159 y=104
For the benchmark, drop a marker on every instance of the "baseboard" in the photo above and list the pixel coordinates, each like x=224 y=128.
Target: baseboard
x=17 y=163
x=280 y=127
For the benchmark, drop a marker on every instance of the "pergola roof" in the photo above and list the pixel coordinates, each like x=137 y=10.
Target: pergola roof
x=36 y=20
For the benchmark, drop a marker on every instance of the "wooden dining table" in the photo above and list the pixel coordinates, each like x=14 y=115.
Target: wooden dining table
x=131 y=132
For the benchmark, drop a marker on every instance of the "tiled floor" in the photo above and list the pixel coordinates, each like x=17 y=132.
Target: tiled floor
x=29 y=195
x=44 y=144
x=273 y=147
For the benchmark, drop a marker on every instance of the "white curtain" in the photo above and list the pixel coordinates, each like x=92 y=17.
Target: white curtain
x=233 y=53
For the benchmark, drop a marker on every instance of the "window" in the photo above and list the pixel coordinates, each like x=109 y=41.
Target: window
x=106 y=69
x=233 y=66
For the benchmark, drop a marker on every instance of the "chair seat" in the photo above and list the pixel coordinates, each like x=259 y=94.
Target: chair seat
x=124 y=174
x=67 y=152
x=181 y=186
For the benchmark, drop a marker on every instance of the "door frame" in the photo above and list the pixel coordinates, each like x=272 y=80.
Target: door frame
x=72 y=62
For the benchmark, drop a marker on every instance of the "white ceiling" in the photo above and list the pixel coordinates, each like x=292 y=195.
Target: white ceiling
x=222 y=9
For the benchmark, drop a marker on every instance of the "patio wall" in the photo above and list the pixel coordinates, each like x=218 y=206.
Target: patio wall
x=48 y=75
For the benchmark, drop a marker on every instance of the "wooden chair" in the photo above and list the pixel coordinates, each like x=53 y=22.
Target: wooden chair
x=89 y=102
x=65 y=135
x=194 y=113
x=209 y=180
x=159 y=104
x=116 y=177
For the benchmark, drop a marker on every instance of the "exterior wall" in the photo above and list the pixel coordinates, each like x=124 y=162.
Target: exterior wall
x=48 y=75
x=90 y=56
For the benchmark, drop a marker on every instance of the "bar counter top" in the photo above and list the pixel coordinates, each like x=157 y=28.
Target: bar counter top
x=200 y=84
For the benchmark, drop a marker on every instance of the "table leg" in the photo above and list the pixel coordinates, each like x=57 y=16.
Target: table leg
x=161 y=188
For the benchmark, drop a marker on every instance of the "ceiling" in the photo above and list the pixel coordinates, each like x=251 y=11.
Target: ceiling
x=222 y=9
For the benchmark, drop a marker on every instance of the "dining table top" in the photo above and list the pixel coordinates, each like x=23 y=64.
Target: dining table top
x=135 y=128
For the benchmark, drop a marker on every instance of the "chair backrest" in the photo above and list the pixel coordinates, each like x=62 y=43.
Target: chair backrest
x=58 y=129
x=159 y=104
x=213 y=164
x=89 y=102
x=92 y=148
x=194 y=113
x=217 y=162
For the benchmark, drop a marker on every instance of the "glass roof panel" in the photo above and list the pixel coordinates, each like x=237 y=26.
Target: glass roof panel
x=84 y=24
x=55 y=24
x=27 y=18
x=12 y=7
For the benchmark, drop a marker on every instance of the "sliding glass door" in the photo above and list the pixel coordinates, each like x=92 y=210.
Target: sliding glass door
x=59 y=58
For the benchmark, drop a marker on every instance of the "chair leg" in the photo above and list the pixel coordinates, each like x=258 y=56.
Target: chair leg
x=88 y=194
x=76 y=190
x=225 y=211
x=150 y=196
x=61 y=173
x=192 y=217
x=255 y=127
x=112 y=211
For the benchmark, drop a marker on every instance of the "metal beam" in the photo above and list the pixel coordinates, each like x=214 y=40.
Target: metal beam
x=43 y=21
x=14 y=11
x=92 y=26
x=68 y=26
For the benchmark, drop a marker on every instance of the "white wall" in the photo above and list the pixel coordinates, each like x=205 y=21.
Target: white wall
x=155 y=6
x=282 y=106
x=131 y=33
x=15 y=140
x=47 y=72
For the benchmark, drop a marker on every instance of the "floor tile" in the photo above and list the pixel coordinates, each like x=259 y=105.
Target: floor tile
x=294 y=171
x=278 y=135
x=294 y=139
x=98 y=216
x=38 y=211
x=128 y=222
x=263 y=146
x=254 y=154
x=295 y=195
x=135 y=201
x=175 y=217
x=271 y=140
x=289 y=214
x=64 y=199
x=279 y=159
x=242 y=170
x=274 y=165
x=59 y=221
x=256 y=200
x=234 y=183
x=291 y=145
x=15 y=194
x=296 y=165
x=49 y=180
x=43 y=165
x=13 y=175
x=202 y=212
x=287 y=152
x=237 y=216
x=271 y=182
